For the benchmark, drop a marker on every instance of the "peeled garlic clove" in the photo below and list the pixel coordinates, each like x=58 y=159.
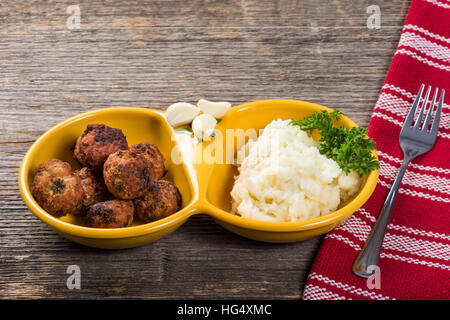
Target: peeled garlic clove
x=203 y=126
x=216 y=109
x=181 y=113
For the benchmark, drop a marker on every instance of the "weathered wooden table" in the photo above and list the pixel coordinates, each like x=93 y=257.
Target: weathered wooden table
x=151 y=54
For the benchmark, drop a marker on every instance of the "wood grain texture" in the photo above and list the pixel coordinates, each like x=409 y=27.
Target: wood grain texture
x=151 y=54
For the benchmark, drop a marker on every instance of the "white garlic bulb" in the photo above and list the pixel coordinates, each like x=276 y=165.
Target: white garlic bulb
x=203 y=126
x=216 y=109
x=181 y=113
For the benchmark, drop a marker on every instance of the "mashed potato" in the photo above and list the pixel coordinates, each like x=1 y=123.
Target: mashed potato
x=283 y=177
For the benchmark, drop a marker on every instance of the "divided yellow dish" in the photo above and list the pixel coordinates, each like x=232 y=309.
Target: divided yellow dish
x=205 y=188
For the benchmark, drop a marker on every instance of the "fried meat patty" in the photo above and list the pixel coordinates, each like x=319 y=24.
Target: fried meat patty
x=110 y=214
x=162 y=199
x=96 y=143
x=57 y=189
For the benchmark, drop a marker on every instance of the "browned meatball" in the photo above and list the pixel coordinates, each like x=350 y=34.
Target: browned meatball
x=127 y=175
x=153 y=157
x=162 y=199
x=56 y=189
x=110 y=214
x=93 y=186
x=96 y=143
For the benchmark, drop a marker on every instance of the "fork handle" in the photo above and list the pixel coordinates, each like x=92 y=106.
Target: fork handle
x=370 y=253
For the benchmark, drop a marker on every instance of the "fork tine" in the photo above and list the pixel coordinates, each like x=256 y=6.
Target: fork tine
x=430 y=111
x=422 y=108
x=437 y=116
x=410 y=117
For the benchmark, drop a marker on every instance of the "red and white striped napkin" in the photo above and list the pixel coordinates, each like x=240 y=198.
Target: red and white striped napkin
x=415 y=259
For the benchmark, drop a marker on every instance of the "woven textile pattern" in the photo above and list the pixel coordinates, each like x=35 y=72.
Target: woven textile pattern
x=415 y=259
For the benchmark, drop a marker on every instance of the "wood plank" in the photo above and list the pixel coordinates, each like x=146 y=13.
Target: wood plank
x=151 y=54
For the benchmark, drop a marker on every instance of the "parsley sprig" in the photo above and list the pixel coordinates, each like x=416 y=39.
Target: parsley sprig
x=350 y=148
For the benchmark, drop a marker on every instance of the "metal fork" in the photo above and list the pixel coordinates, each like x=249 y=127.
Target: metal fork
x=414 y=141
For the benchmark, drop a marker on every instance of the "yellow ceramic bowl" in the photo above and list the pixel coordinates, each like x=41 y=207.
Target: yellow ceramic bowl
x=205 y=188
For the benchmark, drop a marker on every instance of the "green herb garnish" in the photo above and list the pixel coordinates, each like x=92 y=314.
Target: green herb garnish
x=187 y=131
x=350 y=148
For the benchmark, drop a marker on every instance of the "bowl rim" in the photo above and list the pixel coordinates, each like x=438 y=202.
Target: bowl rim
x=101 y=233
x=310 y=224
x=194 y=206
